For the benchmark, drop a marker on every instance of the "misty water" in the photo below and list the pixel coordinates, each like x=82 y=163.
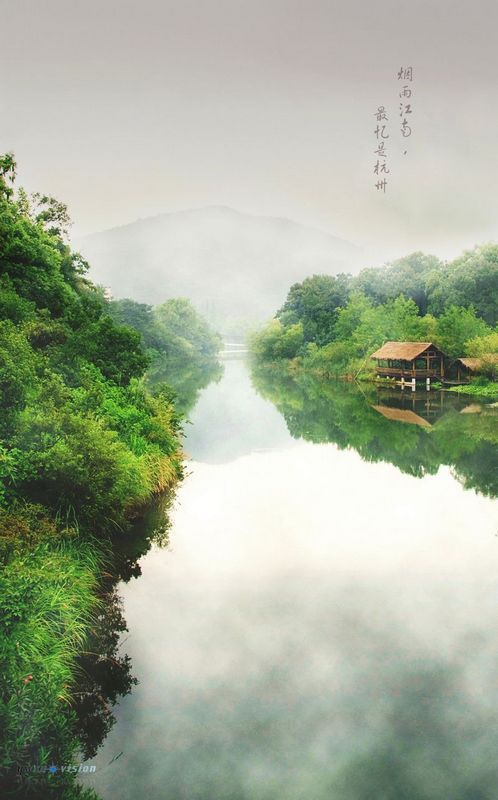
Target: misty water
x=324 y=620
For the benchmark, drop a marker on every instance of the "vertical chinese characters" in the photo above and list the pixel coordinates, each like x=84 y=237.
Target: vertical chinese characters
x=405 y=74
x=381 y=133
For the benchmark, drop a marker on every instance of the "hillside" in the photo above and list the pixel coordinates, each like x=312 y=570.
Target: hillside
x=231 y=265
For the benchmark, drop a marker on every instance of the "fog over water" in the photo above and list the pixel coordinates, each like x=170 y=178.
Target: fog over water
x=319 y=626
x=322 y=622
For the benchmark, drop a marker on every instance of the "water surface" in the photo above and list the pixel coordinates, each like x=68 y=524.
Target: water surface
x=323 y=623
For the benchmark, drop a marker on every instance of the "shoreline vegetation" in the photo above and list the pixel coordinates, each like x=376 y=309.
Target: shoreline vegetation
x=330 y=325
x=478 y=388
x=94 y=394
x=444 y=430
x=87 y=440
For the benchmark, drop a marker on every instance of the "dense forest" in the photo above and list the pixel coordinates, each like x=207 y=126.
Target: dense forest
x=331 y=324
x=86 y=442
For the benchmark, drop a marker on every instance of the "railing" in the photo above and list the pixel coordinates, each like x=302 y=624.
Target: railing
x=393 y=372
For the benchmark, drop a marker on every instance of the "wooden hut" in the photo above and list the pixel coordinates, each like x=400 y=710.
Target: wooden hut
x=463 y=369
x=409 y=360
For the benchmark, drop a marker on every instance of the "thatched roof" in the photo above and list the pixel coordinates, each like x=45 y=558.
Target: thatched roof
x=475 y=364
x=402 y=415
x=403 y=351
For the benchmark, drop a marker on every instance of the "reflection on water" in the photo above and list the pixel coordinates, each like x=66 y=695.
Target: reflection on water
x=323 y=623
x=187 y=380
x=439 y=427
x=104 y=671
x=231 y=421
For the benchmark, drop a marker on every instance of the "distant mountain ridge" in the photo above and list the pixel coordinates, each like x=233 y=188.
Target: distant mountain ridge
x=230 y=264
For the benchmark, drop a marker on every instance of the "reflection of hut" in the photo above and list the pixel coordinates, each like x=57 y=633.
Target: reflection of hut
x=402 y=415
x=473 y=408
x=409 y=360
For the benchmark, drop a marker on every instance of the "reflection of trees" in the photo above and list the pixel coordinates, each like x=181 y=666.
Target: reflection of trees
x=186 y=378
x=334 y=411
x=105 y=676
x=469 y=443
x=104 y=672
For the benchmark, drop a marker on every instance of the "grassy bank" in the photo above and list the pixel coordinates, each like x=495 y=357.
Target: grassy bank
x=48 y=596
x=85 y=445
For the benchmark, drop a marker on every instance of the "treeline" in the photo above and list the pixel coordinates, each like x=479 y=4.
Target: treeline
x=85 y=444
x=79 y=433
x=173 y=333
x=181 y=346
x=332 y=324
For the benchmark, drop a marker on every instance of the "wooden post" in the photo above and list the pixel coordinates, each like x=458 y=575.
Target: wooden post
x=413 y=384
x=402 y=382
x=428 y=384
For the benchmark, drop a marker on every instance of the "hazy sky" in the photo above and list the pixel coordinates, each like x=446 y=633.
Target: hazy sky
x=126 y=109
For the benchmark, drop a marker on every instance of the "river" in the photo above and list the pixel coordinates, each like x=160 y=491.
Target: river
x=323 y=622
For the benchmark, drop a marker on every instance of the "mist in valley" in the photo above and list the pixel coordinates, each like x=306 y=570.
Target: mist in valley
x=236 y=268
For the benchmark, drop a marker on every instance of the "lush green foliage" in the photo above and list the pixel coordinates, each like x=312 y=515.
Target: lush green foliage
x=410 y=276
x=48 y=602
x=173 y=332
x=457 y=326
x=180 y=344
x=79 y=433
x=478 y=388
x=84 y=444
x=60 y=630
x=471 y=279
x=332 y=324
x=314 y=303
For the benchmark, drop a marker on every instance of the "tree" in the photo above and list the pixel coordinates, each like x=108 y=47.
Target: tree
x=186 y=328
x=350 y=317
x=115 y=349
x=315 y=303
x=51 y=214
x=8 y=170
x=456 y=327
x=396 y=320
x=485 y=348
x=471 y=279
x=407 y=276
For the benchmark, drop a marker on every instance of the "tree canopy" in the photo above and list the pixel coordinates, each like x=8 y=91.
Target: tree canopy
x=332 y=323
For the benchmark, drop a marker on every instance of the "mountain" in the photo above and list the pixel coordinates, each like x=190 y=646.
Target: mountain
x=231 y=265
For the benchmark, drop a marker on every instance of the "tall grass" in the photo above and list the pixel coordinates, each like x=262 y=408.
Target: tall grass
x=48 y=604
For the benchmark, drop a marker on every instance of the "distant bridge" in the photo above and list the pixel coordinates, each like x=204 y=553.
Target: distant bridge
x=233 y=350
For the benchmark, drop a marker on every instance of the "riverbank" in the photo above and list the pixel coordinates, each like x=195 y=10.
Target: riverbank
x=85 y=446
x=479 y=387
x=52 y=590
x=61 y=630
x=48 y=606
